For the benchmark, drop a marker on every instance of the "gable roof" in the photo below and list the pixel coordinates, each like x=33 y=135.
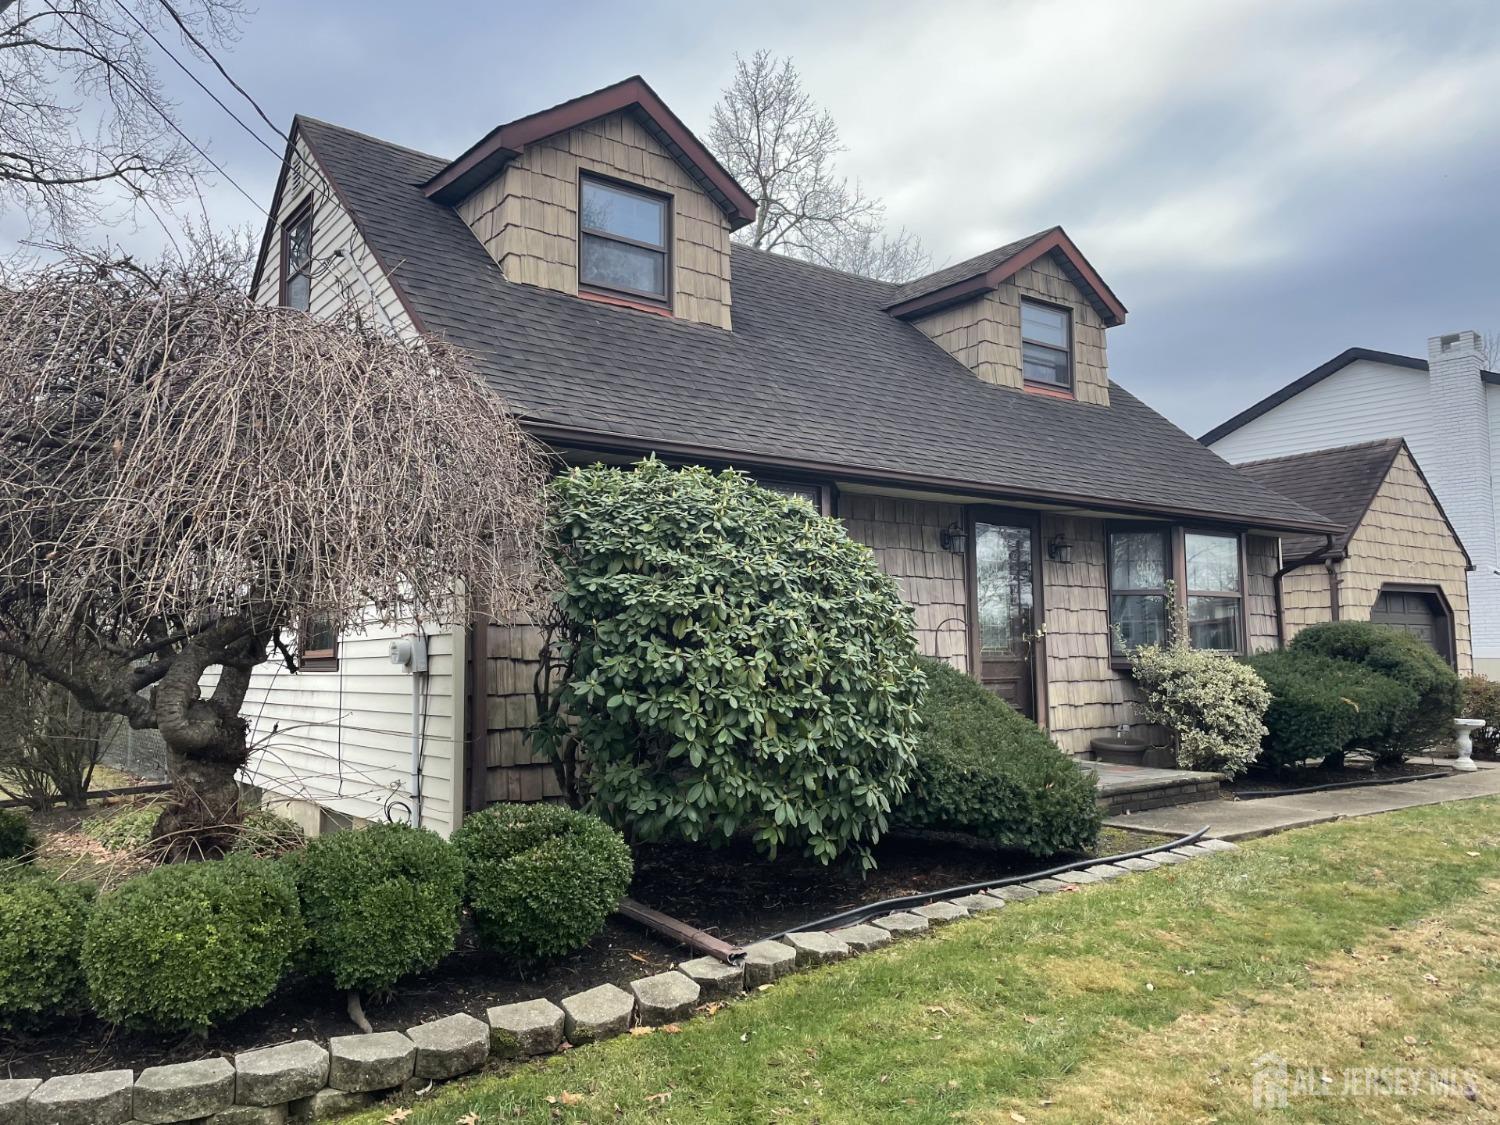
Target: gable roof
x=815 y=375
x=1340 y=482
x=985 y=272
x=482 y=160
x=1317 y=375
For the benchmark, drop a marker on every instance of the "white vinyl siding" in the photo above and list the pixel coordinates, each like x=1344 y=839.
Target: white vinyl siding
x=1364 y=401
x=342 y=739
x=353 y=273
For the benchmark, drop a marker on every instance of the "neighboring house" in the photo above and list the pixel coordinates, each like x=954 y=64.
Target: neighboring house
x=1446 y=407
x=963 y=425
x=1397 y=559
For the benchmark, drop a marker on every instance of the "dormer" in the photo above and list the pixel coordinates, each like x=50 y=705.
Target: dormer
x=607 y=197
x=1030 y=315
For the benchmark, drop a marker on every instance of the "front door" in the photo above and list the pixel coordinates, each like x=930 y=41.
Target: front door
x=1004 y=569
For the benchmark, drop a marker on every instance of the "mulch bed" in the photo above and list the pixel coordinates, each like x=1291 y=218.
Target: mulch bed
x=1263 y=780
x=728 y=892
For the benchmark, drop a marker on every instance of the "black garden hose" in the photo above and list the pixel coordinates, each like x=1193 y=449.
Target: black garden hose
x=1261 y=794
x=859 y=913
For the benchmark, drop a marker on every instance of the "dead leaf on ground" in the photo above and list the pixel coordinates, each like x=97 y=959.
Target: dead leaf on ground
x=642 y=1029
x=396 y=1116
x=660 y=1099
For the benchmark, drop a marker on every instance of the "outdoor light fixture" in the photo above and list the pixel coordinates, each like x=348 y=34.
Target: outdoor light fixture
x=1059 y=549
x=953 y=539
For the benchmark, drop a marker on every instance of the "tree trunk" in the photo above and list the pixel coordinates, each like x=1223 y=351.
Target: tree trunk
x=203 y=812
x=206 y=747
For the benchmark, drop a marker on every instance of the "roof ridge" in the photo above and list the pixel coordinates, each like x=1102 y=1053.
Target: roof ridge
x=779 y=256
x=310 y=119
x=1372 y=444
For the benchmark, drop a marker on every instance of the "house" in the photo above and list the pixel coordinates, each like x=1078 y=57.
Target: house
x=1397 y=559
x=1035 y=514
x=1445 y=407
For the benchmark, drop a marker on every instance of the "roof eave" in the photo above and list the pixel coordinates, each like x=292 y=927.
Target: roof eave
x=505 y=142
x=1111 y=310
x=603 y=441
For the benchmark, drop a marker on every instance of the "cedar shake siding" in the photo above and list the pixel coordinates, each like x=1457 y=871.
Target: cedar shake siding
x=906 y=537
x=985 y=334
x=514 y=770
x=1403 y=540
x=527 y=216
x=1262 y=561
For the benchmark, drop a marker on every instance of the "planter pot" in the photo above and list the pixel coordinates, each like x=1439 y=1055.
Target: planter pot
x=1119 y=751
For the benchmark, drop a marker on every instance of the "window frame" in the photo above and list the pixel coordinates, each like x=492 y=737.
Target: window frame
x=1239 y=595
x=1176 y=544
x=789 y=486
x=1169 y=565
x=300 y=213
x=656 y=300
x=1067 y=350
x=316 y=659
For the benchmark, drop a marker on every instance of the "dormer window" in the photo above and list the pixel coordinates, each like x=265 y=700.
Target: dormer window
x=1047 y=345
x=623 y=240
x=296 y=259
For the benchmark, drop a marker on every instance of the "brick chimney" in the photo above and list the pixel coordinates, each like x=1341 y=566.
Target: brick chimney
x=1462 y=470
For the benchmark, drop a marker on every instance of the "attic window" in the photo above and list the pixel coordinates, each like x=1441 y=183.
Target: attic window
x=296 y=259
x=623 y=234
x=1047 y=345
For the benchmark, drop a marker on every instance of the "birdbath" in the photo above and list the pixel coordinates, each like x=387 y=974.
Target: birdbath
x=1464 y=744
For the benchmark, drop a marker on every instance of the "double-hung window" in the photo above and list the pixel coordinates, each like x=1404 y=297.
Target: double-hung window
x=1159 y=574
x=1213 y=586
x=1047 y=345
x=622 y=240
x=1139 y=569
x=297 y=260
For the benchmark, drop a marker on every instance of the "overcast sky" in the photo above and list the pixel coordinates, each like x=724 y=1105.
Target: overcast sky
x=1262 y=184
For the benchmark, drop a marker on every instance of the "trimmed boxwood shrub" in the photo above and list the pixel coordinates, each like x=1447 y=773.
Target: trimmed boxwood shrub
x=1321 y=707
x=727 y=660
x=190 y=945
x=17 y=840
x=42 y=924
x=380 y=903
x=983 y=769
x=1405 y=659
x=540 y=879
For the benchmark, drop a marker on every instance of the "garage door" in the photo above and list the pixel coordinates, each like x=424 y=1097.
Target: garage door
x=1419 y=614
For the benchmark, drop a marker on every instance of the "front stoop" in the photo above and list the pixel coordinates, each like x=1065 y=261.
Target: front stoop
x=1128 y=789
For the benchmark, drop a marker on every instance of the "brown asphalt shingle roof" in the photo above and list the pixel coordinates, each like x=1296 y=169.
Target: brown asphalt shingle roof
x=814 y=372
x=1341 y=483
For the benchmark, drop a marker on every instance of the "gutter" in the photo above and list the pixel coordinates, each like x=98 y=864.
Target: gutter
x=1330 y=556
x=559 y=435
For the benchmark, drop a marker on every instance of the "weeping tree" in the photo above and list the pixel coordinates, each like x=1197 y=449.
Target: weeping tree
x=187 y=480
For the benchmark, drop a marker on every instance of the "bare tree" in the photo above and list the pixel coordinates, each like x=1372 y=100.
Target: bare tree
x=780 y=145
x=81 y=106
x=49 y=745
x=186 y=479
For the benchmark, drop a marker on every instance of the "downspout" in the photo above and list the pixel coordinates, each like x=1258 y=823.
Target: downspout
x=1296 y=564
x=1335 y=610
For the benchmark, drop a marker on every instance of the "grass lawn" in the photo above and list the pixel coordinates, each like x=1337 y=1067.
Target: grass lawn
x=1372 y=943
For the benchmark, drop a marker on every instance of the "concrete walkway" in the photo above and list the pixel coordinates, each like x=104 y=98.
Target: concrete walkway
x=1236 y=820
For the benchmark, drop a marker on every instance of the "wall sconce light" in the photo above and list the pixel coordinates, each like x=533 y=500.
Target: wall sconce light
x=1059 y=550
x=953 y=539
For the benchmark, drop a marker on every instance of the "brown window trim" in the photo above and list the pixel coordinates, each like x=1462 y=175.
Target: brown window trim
x=1183 y=531
x=825 y=490
x=1176 y=565
x=658 y=302
x=303 y=210
x=1044 y=390
x=623 y=302
x=1037 y=385
x=317 y=659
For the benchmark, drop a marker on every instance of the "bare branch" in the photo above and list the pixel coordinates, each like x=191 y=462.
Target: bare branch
x=780 y=145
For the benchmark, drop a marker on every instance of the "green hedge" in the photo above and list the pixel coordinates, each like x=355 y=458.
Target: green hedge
x=1407 y=660
x=983 y=769
x=738 y=663
x=380 y=903
x=1321 y=707
x=187 y=946
x=17 y=840
x=1482 y=701
x=540 y=879
x=41 y=938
